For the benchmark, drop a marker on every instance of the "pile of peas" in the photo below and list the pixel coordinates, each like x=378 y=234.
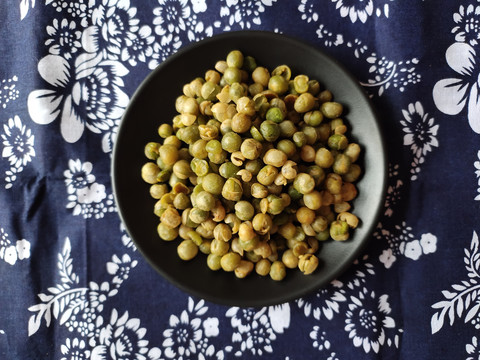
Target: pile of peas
x=255 y=170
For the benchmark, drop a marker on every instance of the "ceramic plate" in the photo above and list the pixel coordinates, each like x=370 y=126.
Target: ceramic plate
x=153 y=103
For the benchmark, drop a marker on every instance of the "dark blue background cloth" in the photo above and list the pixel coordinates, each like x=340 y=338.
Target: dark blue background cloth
x=74 y=285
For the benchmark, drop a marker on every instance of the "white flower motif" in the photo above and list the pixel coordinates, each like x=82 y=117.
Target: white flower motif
x=473 y=349
x=23 y=249
x=99 y=294
x=123 y=338
x=420 y=130
x=78 y=176
x=64 y=39
x=244 y=14
x=307 y=9
x=120 y=268
x=428 y=243
x=355 y=9
x=182 y=336
x=18 y=142
x=327 y=302
x=87 y=94
x=387 y=258
x=138 y=46
x=74 y=350
x=367 y=319
x=164 y=50
x=411 y=249
x=319 y=339
x=113 y=22
x=171 y=16
x=210 y=327
x=255 y=333
x=10 y=255
x=199 y=32
x=331 y=39
x=467 y=29
x=94 y=193
x=75 y=9
x=452 y=95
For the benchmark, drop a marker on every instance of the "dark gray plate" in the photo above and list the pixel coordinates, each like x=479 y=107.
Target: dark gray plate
x=153 y=103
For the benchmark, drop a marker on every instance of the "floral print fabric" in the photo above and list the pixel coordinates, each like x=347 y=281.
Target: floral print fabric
x=74 y=284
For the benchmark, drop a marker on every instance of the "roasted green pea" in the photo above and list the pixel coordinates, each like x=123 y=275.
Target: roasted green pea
x=244 y=210
x=270 y=130
x=213 y=183
x=277 y=271
x=187 y=250
x=231 y=142
x=232 y=189
x=331 y=109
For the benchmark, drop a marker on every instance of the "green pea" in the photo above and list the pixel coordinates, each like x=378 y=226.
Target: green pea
x=331 y=109
x=232 y=75
x=213 y=183
x=152 y=150
x=232 y=189
x=337 y=142
x=269 y=130
x=235 y=59
x=278 y=84
x=244 y=210
x=228 y=170
x=205 y=201
x=274 y=114
x=187 y=250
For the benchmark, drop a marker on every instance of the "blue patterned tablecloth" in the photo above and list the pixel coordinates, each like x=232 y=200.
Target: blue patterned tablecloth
x=75 y=287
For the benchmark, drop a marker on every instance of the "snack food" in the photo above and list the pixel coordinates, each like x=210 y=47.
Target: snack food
x=255 y=170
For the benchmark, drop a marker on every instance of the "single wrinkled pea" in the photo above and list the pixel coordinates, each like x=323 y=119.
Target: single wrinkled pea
x=232 y=189
x=262 y=223
x=313 y=118
x=337 y=142
x=304 y=183
x=304 y=103
x=251 y=149
x=243 y=269
x=267 y=175
x=275 y=158
x=205 y=201
x=308 y=263
x=339 y=230
x=222 y=232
